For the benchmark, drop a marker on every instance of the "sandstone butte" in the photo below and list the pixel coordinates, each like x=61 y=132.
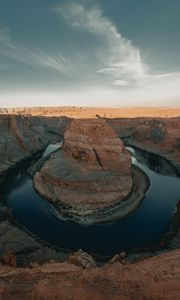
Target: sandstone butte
x=90 y=178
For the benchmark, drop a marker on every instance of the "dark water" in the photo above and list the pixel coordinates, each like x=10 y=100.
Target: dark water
x=145 y=227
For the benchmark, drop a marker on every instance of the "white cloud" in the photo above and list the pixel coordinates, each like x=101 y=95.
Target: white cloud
x=31 y=56
x=120 y=61
x=119 y=58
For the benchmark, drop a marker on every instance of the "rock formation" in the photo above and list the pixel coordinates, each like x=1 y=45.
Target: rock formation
x=95 y=145
x=155 y=278
x=23 y=136
x=156 y=135
x=82 y=259
x=90 y=176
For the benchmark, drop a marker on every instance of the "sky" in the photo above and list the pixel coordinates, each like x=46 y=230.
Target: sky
x=114 y=53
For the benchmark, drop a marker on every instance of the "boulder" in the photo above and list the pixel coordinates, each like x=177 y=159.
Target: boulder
x=82 y=259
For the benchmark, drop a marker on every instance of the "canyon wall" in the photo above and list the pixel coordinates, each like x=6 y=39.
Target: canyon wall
x=27 y=130
x=21 y=138
x=23 y=135
x=158 y=135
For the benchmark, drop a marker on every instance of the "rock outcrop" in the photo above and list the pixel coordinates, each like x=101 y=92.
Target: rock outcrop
x=155 y=278
x=96 y=146
x=23 y=136
x=82 y=259
x=156 y=135
x=91 y=174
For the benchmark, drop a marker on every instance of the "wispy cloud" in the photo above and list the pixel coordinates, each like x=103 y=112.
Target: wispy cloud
x=31 y=56
x=119 y=60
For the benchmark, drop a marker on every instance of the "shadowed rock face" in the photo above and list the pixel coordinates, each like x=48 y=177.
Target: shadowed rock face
x=22 y=136
x=93 y=171
x=157 y=135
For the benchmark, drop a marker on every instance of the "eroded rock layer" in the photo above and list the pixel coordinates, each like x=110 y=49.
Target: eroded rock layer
x=22 y=136
x=156 y=278
x=92 y=172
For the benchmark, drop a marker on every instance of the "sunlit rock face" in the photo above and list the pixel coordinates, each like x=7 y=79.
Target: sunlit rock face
x=91 y=172
x=95 y=146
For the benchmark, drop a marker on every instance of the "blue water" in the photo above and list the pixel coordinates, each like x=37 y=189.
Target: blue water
x=144 y=227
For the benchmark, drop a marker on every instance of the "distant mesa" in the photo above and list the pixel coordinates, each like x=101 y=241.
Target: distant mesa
x=91 y=179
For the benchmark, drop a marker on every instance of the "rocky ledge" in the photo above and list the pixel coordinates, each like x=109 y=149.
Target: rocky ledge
x=155 y=278
x=91 y=180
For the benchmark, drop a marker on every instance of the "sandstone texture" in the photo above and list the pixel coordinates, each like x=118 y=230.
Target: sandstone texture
x=23 y=136
x=155 y=278
x=156 y=135
x=91 y=173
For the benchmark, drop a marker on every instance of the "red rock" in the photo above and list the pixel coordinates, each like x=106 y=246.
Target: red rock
x=96 y=146
x=155 y=278
x=93 y=170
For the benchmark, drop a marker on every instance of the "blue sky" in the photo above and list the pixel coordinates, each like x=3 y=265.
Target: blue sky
x=91 y=53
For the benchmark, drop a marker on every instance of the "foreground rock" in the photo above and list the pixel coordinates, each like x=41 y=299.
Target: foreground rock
x=82 y=259
x=91 y=176
x=155 y=278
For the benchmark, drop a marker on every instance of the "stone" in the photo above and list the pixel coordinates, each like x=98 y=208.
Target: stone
x=118 y=258
x=82 y=259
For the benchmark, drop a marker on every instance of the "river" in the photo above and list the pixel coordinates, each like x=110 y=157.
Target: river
x=143 y=228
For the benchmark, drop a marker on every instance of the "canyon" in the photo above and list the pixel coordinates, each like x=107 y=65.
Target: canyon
x=24 y=135
x=91 y=175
